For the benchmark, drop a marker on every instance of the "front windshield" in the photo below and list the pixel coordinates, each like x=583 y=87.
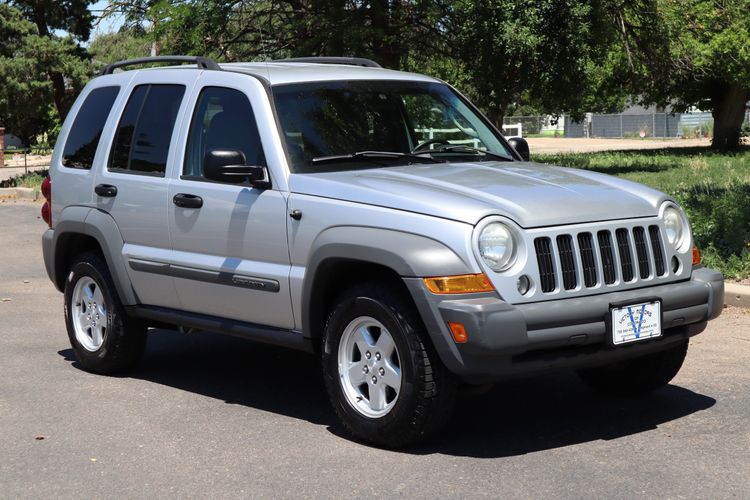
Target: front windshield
x=334 y=119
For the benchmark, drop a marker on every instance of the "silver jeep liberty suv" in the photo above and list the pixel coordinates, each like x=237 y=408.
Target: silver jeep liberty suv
x=372 y=217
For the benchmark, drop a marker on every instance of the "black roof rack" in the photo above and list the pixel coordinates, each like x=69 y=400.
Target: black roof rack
x=202 y=62
x=350 y=61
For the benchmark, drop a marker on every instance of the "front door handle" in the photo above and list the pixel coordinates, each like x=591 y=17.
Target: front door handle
x=184 y=200
x=106 y=190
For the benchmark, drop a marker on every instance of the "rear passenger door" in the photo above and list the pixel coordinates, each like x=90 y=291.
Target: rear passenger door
x=230 y=255
x=133 y=185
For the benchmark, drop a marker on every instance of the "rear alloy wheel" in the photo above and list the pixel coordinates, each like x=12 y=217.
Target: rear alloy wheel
x=384 y=378
x=89 y=314
x=103 y=337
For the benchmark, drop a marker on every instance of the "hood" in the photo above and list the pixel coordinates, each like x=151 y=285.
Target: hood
x=531 y=194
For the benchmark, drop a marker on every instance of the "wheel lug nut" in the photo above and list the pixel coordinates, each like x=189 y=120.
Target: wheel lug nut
x=366 y=369
x=374 y=379
x=381 y=371
x=377 y=356
x=368 y=355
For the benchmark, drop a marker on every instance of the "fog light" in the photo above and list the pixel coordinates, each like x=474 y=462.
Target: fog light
x=459 y=332
x=523 y=284
x=675 y=265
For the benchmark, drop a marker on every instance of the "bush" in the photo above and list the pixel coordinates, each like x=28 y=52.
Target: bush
x=720 y=219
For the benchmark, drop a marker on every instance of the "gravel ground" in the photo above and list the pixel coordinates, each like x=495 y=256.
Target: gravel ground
x=549 y=145
x=213 y=416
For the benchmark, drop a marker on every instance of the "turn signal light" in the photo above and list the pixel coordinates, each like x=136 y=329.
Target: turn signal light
x=464 y=283
x=459 y=332
x=696 y=256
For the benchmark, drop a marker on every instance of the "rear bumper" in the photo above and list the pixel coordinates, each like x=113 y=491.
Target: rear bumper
x=48 y=251
x=507 y=340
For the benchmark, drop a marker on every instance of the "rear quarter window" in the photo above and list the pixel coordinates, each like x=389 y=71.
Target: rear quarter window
x=83 y=138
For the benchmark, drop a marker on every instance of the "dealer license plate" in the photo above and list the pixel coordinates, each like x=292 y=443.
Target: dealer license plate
x=636 y=322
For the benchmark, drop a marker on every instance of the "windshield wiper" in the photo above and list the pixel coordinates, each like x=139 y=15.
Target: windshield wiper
x=460 y=148
x=374 y=156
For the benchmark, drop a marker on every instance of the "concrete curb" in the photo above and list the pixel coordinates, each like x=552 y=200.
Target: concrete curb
x=737 y=295
x=19 y=193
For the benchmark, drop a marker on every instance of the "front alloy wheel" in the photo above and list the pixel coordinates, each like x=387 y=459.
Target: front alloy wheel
x=369 y=367
x=383 y=377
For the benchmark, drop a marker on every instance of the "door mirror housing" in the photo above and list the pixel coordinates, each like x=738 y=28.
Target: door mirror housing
x=229 y=166
x=521 y=147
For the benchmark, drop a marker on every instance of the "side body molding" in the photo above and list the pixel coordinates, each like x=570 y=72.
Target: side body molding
x=100 y=226
x=408 y=254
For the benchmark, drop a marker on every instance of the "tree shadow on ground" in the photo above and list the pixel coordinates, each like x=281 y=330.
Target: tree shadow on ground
x=515 y=418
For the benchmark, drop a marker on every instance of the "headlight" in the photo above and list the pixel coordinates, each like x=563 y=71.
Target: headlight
x=675 y=227
x=497 y=246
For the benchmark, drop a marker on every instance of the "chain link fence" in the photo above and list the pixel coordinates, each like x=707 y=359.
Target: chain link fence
x=616 y=125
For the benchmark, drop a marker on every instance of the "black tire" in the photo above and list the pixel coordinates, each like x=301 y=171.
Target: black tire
x=124 y=338
x=637 y=376
x=428 y=391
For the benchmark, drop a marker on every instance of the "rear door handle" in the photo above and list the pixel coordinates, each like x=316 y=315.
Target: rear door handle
x=106 y=190
x=184 y=200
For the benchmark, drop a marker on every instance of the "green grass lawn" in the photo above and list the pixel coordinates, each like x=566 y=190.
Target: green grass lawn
x=31 y=180
x=712 y=187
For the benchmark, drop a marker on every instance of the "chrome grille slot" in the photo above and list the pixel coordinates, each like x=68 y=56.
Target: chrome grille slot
x=598 y=257
x=639 y=235
x=567 y=261
x=543 y=247
x=608 y=256
x=588 y=260
x=626 y=257
x=656 y=247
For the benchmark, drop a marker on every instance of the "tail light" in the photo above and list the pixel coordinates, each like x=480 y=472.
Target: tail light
x=47 y=207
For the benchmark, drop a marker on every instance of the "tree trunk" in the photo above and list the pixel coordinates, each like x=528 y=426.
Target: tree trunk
x=729 y=113
x=385 y=41
x=58 y=82
x=497 y=115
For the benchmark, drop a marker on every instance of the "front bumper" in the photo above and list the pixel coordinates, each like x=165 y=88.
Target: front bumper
x=507 y=340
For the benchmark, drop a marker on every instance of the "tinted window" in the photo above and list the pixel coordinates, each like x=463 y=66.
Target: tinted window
x=223 y=119
x=80 y=146
x=145 y=129
x=322 y=119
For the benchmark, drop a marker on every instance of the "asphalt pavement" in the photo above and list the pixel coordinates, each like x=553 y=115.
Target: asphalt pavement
x=212 y=416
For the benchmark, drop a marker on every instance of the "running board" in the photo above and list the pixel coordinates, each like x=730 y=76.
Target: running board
x=250 y=331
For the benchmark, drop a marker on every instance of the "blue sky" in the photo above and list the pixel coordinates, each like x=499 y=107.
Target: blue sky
x=107 y=25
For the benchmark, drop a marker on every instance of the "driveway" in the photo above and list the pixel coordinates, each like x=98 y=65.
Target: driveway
x=213 y=416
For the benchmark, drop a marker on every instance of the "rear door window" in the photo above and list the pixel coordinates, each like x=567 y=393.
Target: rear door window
x=145 y=130
x=83 y=139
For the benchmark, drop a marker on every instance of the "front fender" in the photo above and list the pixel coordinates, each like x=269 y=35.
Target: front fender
x=407 y=254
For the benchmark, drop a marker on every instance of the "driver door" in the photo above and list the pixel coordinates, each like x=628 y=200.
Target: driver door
x=230 y=256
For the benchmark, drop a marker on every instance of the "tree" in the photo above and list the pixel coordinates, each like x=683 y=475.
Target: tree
x=25 y=88
x=689 y=53
x=525 y=52
x=112 y=47
x=71 y=16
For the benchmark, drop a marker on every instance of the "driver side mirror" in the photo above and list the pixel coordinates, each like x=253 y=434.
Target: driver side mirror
x=229 y=166
x=521 y=147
